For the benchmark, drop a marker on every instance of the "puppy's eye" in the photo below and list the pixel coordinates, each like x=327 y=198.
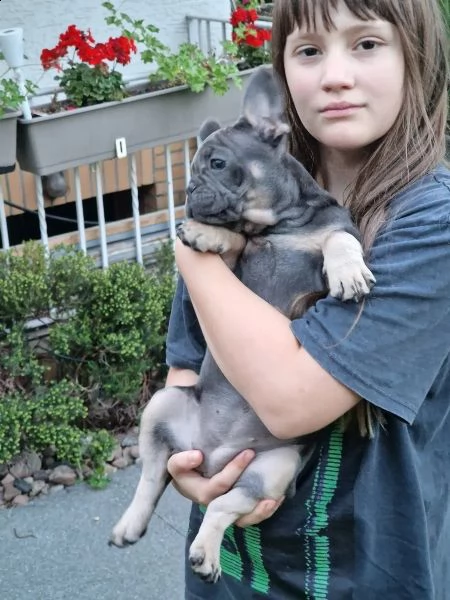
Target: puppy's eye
x=217 y=163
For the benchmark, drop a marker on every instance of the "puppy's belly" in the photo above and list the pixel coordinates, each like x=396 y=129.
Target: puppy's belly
x=228 y=425
x=279 y=274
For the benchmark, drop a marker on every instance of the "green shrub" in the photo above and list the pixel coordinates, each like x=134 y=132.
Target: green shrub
x=14 y=419
x=23 y=284
x=106 y=344
x=117 y=332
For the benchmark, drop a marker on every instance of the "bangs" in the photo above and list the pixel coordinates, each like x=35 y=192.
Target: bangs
x=304 y=13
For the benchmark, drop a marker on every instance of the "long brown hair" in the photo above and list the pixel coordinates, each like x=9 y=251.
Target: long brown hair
x=413 y=146
x=416 y=142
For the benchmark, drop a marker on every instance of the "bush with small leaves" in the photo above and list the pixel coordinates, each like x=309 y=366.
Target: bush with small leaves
x=14 y=419
x=24 y=289
x=55 y=412
x=17 y=359
x=98 y=448
x=69 y=277
x=116 y=334
x=106 y=342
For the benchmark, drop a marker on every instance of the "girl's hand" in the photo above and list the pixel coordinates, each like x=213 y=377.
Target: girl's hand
x=201 y=490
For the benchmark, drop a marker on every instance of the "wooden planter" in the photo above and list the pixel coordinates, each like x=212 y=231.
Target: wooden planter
x=51 y=143
x=8 y=135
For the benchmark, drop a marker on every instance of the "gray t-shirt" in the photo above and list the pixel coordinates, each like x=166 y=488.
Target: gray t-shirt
x=371 y=518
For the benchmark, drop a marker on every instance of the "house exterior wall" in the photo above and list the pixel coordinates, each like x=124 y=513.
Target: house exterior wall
x=43 y=20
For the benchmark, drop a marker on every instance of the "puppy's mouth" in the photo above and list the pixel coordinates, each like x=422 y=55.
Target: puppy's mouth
x=215 y=208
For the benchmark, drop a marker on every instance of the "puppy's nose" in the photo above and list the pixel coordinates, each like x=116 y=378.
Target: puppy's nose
x=191 y=187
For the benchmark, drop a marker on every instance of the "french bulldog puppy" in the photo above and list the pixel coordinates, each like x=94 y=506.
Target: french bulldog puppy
x=252 y=202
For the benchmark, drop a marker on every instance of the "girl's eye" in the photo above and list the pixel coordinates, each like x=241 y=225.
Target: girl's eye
x=368 y=44
x=307 y=52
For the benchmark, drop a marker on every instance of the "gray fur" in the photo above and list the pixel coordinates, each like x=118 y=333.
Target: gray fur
x=252 y=202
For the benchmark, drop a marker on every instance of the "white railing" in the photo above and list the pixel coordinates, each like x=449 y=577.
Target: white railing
x=167 y=218
x=200 y=30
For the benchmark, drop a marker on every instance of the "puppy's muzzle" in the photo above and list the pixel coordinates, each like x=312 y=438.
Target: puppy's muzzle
x=212 y=206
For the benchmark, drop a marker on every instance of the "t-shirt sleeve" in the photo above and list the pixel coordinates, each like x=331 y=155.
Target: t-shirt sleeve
x=185 y=344
x=391 y=352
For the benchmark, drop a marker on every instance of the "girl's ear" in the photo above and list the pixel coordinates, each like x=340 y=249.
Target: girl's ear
x=208 y=127
x=263 y=105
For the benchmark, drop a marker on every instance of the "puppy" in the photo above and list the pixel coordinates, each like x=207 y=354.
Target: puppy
x=254 y=204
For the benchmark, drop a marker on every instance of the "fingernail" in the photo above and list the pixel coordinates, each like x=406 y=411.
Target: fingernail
x=247 y=454
x=194 y=458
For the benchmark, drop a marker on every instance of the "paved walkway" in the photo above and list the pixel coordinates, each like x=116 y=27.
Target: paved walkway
x=69 y=559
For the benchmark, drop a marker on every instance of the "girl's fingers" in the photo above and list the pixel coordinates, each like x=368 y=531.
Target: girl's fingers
x=193 y=486
x=264 y=510
x=225 y=479
x=182 y=462
x=198 y=488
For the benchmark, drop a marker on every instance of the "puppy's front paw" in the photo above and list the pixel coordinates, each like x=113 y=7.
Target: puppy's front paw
x=350 y=281
x=128 y=530
x=211 y=238
x=207 y=567
x=348 y=276
x=202 y=237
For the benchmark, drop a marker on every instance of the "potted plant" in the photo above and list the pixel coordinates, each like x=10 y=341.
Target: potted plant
x=11 y=99
x=251 y=42
x=99 y=118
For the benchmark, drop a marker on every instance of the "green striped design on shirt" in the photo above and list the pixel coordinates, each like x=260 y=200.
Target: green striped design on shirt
x=260 y=577
x=317 y=543
x=231 y=561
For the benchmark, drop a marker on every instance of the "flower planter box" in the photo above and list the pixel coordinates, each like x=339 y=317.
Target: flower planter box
x=51 y=143
x=8 y=135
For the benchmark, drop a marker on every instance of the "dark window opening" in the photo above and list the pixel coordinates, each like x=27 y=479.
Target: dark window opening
x=116 y=206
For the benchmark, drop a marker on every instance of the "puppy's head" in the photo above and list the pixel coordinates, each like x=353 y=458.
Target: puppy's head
x=236 y=171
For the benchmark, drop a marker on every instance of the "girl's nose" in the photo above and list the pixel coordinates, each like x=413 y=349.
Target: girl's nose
x=337 y=72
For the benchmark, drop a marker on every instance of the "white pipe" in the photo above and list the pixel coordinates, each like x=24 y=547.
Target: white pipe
x=41 y=211
x=79 y=207
x=170 y=195
x=135 y=205
x=25 y=106
x=3 y=222
x=101 y=214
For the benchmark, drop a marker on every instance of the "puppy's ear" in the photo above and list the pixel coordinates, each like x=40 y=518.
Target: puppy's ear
x=208 y=127
x=263 y=105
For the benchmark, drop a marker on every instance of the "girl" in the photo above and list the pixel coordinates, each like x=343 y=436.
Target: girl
x=365 y=84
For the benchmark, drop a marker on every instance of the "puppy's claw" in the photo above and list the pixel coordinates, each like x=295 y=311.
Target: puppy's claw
x=213 y=577
x=353 y=283
x=208 y=570
x=126 y=534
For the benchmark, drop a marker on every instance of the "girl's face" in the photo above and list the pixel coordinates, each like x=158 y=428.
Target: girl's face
x=346 y=84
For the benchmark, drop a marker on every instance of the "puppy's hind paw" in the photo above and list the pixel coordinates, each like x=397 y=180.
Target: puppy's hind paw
x=205 y=567
x=127 y=532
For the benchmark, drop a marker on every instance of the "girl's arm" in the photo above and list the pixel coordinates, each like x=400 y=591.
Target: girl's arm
x=177 y=376
x=254 y=346
x=197 y=488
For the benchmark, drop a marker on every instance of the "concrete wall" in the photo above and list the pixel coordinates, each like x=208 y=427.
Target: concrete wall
x=43 y=21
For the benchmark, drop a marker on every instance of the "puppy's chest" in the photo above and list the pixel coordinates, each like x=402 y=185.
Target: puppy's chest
x=277 y=271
